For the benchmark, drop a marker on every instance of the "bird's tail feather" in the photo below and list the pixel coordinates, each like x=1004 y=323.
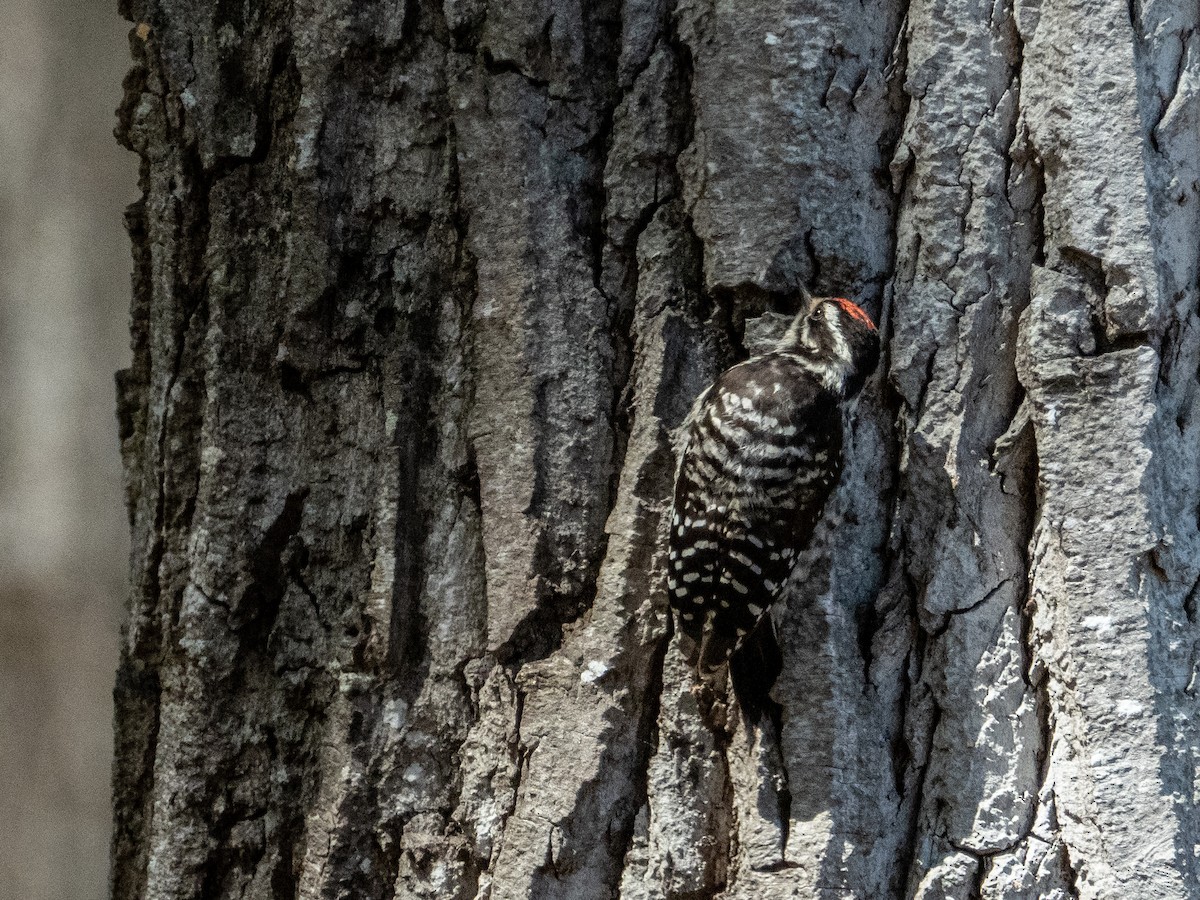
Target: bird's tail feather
x=754 y=668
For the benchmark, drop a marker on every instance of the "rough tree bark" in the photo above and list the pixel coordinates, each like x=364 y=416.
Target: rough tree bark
x=422 y=294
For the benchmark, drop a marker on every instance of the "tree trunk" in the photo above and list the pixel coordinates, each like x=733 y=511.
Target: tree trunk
x=423 y=292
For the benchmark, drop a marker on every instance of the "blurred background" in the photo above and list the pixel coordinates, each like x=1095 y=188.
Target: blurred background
x=64 y=300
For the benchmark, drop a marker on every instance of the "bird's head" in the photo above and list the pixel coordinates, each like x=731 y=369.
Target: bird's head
x=841 y=338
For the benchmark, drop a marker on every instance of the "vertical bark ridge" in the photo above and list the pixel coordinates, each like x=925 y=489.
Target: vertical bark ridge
x=965 y=537
x=1167 y=58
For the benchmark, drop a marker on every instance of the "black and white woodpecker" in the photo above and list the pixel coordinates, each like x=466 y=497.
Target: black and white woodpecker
x=763 y=453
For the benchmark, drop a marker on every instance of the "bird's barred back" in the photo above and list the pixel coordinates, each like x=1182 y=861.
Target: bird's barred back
x=762 y=454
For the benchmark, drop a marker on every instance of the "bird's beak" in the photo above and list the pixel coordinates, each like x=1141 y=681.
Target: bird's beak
x=807 y=300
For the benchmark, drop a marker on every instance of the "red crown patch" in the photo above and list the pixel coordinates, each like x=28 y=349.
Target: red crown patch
x=855 y=311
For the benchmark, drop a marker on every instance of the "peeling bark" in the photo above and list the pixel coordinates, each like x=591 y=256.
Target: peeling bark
x=422 y=294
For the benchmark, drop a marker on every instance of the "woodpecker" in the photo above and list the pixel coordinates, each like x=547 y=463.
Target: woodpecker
x=763 y=452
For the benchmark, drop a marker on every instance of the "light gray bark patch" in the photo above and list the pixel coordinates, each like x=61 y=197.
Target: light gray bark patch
x=541 y=347
x=792 y=113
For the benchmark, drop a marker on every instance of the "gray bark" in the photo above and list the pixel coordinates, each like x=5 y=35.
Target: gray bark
x=422 y=295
